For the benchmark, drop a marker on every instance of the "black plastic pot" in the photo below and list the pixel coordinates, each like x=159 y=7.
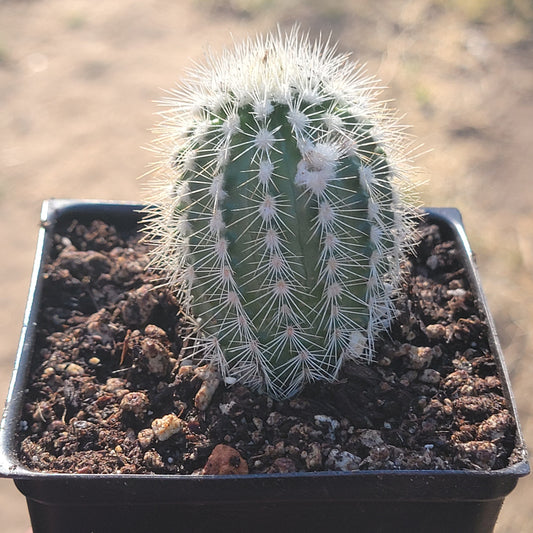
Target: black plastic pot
x=365 y=501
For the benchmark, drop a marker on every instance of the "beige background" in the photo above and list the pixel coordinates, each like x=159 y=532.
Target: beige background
x=78 y=81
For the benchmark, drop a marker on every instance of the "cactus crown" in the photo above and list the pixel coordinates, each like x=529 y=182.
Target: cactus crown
x=278 y=216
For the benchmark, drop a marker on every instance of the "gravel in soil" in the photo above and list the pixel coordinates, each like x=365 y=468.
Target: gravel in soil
x=113 y=389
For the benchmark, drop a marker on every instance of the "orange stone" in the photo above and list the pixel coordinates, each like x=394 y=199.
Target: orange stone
x=225 y=460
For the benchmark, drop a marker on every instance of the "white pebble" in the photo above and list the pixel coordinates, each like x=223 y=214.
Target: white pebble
x=167 y=426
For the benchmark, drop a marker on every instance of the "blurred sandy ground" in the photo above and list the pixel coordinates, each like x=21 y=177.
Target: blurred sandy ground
x=78 y=81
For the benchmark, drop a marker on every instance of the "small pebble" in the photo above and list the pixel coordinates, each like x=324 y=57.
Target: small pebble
x=115 y=384
x=156 y=357
x=155 y=332
x=342 y=461
x=435 y=331
x=480 y=453
x=225 y=460
x=331 y=424
x=167 y=426
x=145 y=438
x=274 y=419
x=225 y=408
x=283 y=465
x=48 y=372
x=139 y=306
x=379 y=454
x=185 y=368
x=496 y=426
x=98 y=325
x=429 y=376
x=154 y=461
x=74 y=369
x=459 y=293
x=313 y=460
x=420 y=357
x=210 y=382
x=432 y=262
x=371 y=438
x=135 y=402
x=258 y=423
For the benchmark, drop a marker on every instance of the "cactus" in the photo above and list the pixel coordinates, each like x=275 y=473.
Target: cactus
x=279 y=215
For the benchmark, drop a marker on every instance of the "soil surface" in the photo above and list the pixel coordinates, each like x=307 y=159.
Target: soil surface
x=114 y=388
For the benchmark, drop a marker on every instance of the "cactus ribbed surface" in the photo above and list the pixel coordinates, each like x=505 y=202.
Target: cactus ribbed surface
x=279 y=218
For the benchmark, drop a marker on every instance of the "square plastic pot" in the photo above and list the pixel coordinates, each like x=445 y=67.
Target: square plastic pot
x=363 y=501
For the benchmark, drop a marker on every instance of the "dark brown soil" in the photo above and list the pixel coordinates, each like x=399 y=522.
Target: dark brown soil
x=110 y=392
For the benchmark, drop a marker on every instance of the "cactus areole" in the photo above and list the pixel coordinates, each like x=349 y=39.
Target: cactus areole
x=279 y=216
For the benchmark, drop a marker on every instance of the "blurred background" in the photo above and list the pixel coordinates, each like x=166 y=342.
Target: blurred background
x=78 y=82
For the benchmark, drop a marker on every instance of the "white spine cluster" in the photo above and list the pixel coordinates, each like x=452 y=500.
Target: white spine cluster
x=280 y=222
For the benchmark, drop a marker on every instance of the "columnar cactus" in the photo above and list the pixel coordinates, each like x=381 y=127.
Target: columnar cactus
x=279 y=219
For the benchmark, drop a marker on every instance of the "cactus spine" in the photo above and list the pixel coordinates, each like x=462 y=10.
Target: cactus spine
x=279 y=218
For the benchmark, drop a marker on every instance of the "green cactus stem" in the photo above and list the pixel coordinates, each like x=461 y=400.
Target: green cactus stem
x=280 y=216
